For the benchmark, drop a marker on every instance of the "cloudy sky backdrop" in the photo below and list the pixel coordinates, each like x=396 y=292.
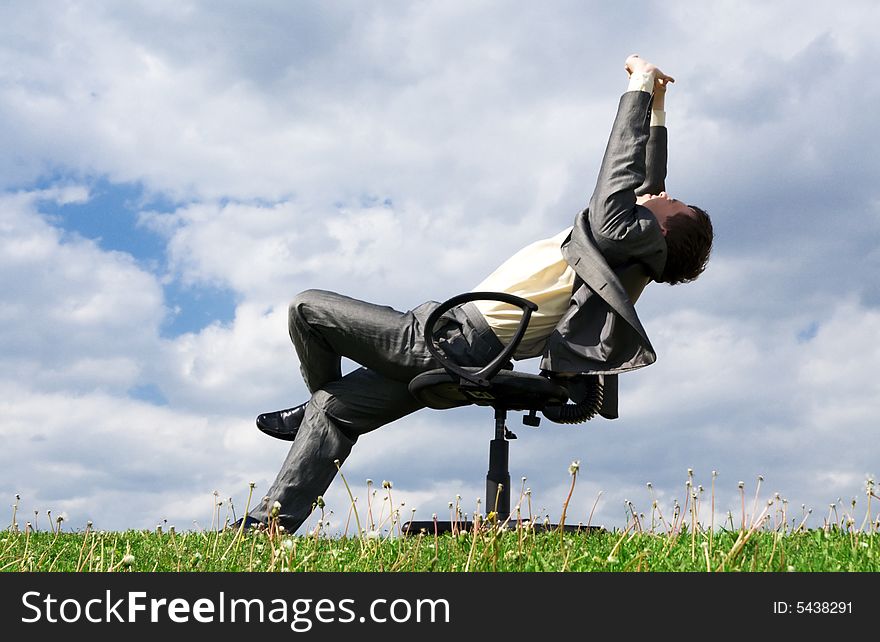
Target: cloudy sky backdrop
x=172 y=173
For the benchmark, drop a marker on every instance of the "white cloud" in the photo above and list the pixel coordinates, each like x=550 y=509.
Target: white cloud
x=234 y=367
x=74 y=316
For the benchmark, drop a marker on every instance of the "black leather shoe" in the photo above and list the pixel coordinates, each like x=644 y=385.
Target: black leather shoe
x=282 y=424
x=248 y=521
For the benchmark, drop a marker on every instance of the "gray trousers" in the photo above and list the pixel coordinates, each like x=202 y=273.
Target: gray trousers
x=390 y=347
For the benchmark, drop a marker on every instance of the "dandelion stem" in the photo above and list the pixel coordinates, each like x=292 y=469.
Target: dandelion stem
x=351 y=498
x=590 y=518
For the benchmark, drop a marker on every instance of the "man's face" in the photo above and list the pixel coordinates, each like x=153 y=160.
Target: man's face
x=664 y=207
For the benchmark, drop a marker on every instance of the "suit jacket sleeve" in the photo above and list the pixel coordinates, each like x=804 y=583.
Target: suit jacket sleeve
x=655 y=163
x=622 y=230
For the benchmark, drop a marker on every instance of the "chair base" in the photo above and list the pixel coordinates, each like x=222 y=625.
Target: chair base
x=413 y=528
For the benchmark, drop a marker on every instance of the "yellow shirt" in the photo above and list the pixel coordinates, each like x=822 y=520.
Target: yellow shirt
x=537 y=273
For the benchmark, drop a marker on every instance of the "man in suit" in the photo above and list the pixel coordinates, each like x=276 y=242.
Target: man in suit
x=585 y=281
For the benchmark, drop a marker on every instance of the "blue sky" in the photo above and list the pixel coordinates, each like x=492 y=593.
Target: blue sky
x=111 y=217
x=173 y=173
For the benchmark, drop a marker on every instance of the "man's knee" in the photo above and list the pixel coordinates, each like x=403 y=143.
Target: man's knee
x=305 y=301
x=306 y=298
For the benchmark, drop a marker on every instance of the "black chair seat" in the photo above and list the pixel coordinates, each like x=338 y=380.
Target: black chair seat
x=508 y=390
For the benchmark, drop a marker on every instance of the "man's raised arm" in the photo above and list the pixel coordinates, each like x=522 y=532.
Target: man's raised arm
x=621 y=230
x=655 y=158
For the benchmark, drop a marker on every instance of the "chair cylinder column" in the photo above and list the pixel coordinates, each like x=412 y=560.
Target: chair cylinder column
x=498 y=474
x=499 y=470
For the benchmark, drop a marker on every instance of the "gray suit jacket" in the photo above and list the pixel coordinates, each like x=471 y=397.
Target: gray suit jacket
x=615 y=248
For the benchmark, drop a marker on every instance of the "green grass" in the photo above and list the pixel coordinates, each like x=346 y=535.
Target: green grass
x=490 y=549
x=769 y=540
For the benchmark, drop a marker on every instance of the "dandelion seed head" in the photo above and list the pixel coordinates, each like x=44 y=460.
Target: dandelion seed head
x=574 y=467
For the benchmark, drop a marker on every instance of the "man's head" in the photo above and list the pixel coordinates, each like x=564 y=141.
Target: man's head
x=688 y=233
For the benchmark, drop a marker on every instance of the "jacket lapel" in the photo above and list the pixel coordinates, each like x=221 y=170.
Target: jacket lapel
x=604 y=282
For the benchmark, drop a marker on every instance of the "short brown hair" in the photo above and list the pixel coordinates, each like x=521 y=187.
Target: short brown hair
x=688 y=243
